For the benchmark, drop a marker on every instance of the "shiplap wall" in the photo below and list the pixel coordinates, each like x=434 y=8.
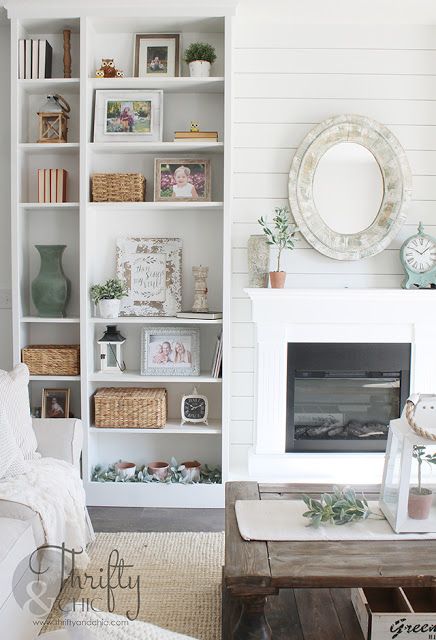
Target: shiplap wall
x=288 y=78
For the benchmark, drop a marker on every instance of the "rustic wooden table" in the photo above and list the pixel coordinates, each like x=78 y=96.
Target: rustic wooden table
x=255 y=570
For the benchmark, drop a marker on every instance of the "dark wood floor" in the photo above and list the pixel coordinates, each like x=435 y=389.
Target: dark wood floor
x=114 y=519
x=303 y=614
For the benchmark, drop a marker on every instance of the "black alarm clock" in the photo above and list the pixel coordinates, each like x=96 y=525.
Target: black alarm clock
x=194 y=408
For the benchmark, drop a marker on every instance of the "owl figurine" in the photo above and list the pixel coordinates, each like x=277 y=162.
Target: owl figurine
x=108 y=69
x=194 y=126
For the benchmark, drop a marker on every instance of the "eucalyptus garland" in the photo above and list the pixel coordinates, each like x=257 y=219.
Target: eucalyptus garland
x=208 y=475
x=340 y=507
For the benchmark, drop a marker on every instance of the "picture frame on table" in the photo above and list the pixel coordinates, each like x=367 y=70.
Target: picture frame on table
x=151 y=269
x=55 y=403
x=170 y=351
x=182 y=180
x=127 y=115
x=156 y=55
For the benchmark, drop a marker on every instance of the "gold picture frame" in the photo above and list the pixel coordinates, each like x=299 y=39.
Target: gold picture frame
x=182 y=180
x=55 y=403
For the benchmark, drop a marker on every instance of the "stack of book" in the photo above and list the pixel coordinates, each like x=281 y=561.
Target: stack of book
x=52 y=185
x=218 y=358
x=196 y=136
x=34 y=59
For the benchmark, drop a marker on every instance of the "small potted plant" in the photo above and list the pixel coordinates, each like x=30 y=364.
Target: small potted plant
x=282 y=236
x=420 y=498
x=107 y=297
x=199 y=56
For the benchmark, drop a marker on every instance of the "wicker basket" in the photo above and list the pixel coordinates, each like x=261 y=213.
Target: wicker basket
x=130 y=408
x=52 y=359
x=118 y=187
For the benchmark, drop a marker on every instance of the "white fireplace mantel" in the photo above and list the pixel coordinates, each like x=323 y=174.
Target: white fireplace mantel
x=330 y=315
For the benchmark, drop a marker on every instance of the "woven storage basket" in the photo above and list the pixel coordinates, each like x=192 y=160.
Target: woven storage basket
x=52 y=359
x=130 y=408
x=118 y=187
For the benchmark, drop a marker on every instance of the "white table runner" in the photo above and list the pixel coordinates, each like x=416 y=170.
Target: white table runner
x=282 y=520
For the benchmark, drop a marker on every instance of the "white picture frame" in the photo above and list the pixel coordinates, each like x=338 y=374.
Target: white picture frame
x=151 y=269
x=134 y=116
x=170 y=351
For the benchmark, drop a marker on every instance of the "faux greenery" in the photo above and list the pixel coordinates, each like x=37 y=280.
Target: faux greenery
x=340 y=507
x=112 y=289
x=420 y=456
x=200 y=51
x=283 y=232
x=208 y=475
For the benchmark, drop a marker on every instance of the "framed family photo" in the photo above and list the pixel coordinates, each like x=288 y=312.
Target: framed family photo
x=151 y=269
x=157 y=54
x=128 y=115
x=55 y=403
x=182 y=179
x=170 y=351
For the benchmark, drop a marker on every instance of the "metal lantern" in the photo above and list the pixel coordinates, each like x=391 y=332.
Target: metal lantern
x=409 y=476
x=53 y=119
x=111 y=358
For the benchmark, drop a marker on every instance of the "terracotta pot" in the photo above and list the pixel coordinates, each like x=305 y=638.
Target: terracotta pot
x=191 y=470
x=419 y=504
x=126 y=469
x=277 y=279
x=158 y=469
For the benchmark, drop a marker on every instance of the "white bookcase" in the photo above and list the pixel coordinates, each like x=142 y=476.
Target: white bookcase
x=90 y=229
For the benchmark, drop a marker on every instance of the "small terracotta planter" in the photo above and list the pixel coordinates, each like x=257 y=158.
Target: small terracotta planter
x=158 y=470
x=126 y=469
x=419 y=504
x=191 y=470
x=277 y=279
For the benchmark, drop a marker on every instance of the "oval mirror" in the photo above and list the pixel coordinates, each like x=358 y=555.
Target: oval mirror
x=348 y=188
x=349 y=185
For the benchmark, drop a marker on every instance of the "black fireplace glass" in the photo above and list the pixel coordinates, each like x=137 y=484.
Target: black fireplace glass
x=341 y=397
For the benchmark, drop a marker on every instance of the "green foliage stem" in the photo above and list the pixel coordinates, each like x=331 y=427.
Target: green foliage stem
x=340 y=507
x=420 y=456
x=282 y=234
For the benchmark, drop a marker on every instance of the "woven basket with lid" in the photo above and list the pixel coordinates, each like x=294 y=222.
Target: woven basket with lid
x=130 y=408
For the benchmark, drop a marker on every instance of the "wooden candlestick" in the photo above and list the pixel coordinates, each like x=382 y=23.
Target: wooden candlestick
x=67 y=53
x=200 y=289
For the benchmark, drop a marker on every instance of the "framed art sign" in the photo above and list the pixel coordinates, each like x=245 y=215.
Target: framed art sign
x=157 y=54
x=151 y=268
x=170 y=351
x=181 y=179
x=128 y=115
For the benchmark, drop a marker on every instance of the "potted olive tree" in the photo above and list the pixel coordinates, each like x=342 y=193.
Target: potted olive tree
x=107 y=297
x=420 y=498
x=282 y=236
x=199 y=56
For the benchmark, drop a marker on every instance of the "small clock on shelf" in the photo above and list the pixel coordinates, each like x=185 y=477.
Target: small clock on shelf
x=418 y=257
x=195 y=408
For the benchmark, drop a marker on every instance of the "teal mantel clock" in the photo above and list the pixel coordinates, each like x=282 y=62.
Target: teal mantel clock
x=418 y=257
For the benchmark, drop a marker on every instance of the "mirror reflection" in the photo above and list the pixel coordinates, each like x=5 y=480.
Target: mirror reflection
x=348 y=188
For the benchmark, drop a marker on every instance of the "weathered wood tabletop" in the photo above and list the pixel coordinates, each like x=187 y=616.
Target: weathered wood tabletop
x=254 y=570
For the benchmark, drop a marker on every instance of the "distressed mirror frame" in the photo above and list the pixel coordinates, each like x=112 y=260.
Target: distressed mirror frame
x=397 y=187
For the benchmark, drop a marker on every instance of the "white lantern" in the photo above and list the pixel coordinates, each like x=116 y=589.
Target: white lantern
x=111 y=358
x=409 y=477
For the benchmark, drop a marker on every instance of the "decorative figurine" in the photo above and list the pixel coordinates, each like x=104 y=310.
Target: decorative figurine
x=200 y=289
x=108 y=69
x=53 y=120
x=67 y=53
x=194 y=126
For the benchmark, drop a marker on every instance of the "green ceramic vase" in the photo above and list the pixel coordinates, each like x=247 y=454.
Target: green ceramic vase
x=51 y=288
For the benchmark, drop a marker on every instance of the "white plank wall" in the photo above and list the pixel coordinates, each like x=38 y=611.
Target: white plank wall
x=287 y=79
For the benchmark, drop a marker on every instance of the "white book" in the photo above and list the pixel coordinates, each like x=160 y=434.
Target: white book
x=35 y=59
x=215 y=355
x=41 y=58
x=28 y=63
x=198 y=315
x=21 y=59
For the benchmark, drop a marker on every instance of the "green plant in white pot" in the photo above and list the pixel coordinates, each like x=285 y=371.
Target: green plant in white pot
x=282 y=236
x=200 y=56
x=420 y=498
x=107 y=297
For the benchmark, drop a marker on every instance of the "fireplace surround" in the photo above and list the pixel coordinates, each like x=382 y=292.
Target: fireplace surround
x=330 y=316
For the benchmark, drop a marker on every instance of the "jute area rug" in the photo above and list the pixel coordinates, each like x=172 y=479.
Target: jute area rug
x=179 y=577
